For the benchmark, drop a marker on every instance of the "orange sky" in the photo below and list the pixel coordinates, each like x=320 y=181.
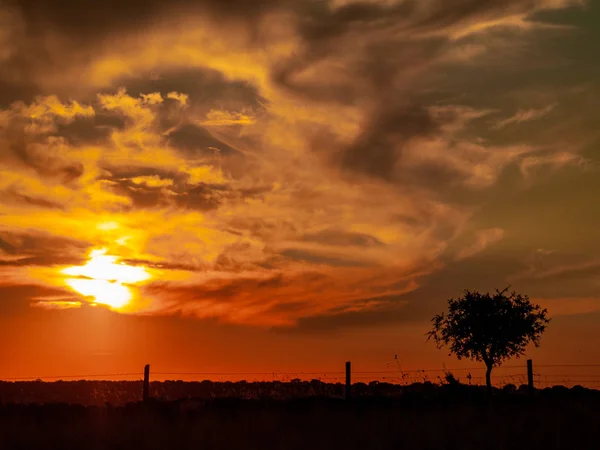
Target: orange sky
x=285 y=185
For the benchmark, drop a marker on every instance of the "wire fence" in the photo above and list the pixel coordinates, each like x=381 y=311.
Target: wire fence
x=545 y=375
x=118 y=388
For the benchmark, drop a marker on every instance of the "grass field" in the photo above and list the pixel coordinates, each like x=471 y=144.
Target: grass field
x=447 y=417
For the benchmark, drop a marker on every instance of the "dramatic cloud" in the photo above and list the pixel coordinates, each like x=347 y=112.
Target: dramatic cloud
x=276 y=163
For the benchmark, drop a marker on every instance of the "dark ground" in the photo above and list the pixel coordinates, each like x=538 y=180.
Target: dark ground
x=448 y=417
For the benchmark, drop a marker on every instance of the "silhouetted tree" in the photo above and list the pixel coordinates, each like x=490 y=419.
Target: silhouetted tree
x=489 y=328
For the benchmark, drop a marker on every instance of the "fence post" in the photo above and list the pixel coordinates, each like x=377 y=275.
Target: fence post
x=146 y=392
x=530 y=376
x=348 y=380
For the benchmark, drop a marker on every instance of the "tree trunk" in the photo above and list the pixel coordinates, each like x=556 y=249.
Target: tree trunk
x=488 y=377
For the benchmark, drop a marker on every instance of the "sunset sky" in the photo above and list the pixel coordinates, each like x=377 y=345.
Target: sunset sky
x=284 y=185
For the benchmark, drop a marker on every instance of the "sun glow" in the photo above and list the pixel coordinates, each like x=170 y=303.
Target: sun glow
x=104 y=279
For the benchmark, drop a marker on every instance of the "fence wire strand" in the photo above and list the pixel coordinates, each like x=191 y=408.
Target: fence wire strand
x=391 y=375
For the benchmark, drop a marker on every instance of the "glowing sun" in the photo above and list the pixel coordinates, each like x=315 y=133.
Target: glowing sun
x=105 y=280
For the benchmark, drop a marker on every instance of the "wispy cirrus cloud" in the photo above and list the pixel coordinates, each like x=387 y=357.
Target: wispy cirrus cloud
x=570 y=306
x=224 y=118
x=484 y=239
x=526 y=116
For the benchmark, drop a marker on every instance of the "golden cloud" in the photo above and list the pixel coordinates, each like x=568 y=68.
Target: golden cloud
x=270 y=165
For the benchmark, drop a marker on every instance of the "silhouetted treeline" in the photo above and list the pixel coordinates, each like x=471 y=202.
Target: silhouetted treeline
x=122 y=392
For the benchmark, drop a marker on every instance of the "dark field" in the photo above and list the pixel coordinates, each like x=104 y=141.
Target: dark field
x=418 y=416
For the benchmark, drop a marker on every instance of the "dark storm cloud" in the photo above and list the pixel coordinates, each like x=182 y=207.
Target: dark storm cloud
x=83 y=25
x=204 y=86
x=163 y=266
x=17 y=90
x=416 y=306
x=149 y=187
x=385 y=68
x=326 y=30
x=141 y=196
x=322 y=259
x=376 y=149
x=395 y=312
x=223 y=291
x=342 y=238
x=201 y=197
x=33 y=153
x=233 y=299
x=196 y=141
x=434 y=175
x=114 y=172
x=40 y=249
x=92 y=21
x=320 y=21
x=48 y=36
x=32 y=142
x=291 y=307
x=375 y=54
x=91 y=130
x=18 y=298
x=262 y=228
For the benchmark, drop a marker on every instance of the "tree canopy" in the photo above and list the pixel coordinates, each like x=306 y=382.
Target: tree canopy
x=489 y=328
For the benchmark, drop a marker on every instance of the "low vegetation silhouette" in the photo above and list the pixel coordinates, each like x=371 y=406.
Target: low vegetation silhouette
x=420 y=416
x=489 y=328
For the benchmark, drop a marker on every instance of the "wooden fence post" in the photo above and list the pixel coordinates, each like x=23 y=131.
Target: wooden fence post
x=348 y=380
x=146 y=393
x=530 y=376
